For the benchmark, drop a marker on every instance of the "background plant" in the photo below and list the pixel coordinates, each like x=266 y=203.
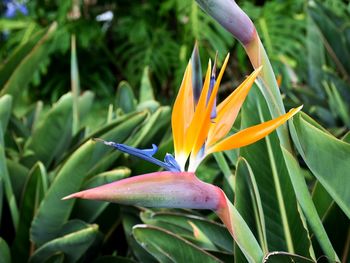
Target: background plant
x=47 y=119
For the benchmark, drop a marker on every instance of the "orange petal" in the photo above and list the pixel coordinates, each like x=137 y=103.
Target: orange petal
x=227 y=110
x=252 y=134
x=198 y=114
x=182 y=111
x=202 y=128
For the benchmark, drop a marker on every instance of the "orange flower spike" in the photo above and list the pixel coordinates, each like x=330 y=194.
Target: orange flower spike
x=203 y=128
x=198 y=114
x=252 y=134
x=227 y=110
x=182 y=112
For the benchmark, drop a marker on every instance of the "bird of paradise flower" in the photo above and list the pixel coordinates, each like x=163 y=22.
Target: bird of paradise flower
x=199 y=127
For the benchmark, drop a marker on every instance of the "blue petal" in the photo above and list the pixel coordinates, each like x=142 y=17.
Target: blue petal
x=170 y=160
x=170 y=164
x=211 y=86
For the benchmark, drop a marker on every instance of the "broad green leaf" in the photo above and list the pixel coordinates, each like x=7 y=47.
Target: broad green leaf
x=8 y=189
x=188 y=227
x=248 y=203
x=130 y=218
x=225 y=168
x=315 y=57
x=73 y=245
x=5 y=256
x=168 y=247
x=33 y=193
x=18 y=177
x=53 y=212
x=53 y=134
x=5 y=110
x=56 y=258
x=322 y=200
x=307 y=205
x=89 y=210
x=9 y=24
x=18 y=55
x=113 y=259
x=327 y=157
x=23 y=64
x=146 y=90
x=85 y=102
x=285 y=230
x=125 y=98
x=332 y=36
x=284 y=257
x=346 y=137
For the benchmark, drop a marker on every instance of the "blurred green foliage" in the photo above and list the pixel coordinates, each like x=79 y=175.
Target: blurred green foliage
x=128 y=67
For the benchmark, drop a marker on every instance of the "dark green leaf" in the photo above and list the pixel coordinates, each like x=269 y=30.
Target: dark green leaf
x=23 y=64
x=308 y=206
x=5 y=256
x=327 y=157
x=125 y=98
x=53 y=212
x=248 y=202
x=283 y=257
x=211 y=234
x=73 y=245
x=34 y=191
x=285 y=230
x=5 y=110
x=168 y=247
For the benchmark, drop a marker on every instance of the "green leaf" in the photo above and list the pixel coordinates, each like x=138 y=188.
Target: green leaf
x=53 y=212
x=248 y=202
x=308 y=206
x=89 y=210
x=18 y=177
x=285 y=230
x=283 y=257
x=322 y=200
x=5 y=110
x=4 y=252
x=54 y=133
x=33 y=193
x=168 y=247
x=125 y=98
x=315 y=56
x=4 y=176
x=73 y=245
x=333 y=36
x=23 y=64
x=327 y=157
x=130 y=218
x=113 y=259
x=187 y=227
x=146 y=90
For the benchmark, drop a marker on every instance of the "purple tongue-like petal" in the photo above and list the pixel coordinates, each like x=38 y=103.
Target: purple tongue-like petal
x=162 y=189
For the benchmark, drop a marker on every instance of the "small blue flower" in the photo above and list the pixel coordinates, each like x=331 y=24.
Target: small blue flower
x=12 y=7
